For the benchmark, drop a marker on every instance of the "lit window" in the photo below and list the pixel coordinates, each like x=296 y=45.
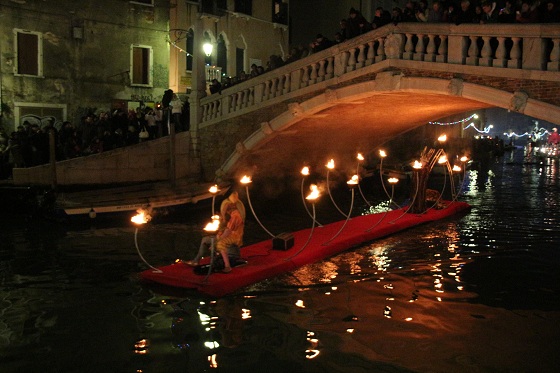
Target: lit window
x=29 y=53
x=141 y=65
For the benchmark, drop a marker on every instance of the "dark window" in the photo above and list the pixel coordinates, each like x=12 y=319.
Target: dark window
x=28 y=62
x=221 y=55
x=280 y=12
x=141 y=65
x=190 y=50
x=244 y=6
x=143 y=2
x=239 y=59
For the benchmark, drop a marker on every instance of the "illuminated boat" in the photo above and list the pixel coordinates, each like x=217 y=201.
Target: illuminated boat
x=310 y=245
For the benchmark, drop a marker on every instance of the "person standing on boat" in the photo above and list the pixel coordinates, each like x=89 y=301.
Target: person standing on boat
x=232 y=211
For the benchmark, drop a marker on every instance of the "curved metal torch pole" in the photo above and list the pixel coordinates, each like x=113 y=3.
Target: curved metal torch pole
x=140 y=254
x=383 y=184
x=255 y=215
x=345 y=222
x=386 y=211
x=360 y=188
x=332 y=199
x=211 y=260
x=411 y=203
x=308 y=238
x=460 y=188
x=305 y=205
x=213 y=201
x=442 y=190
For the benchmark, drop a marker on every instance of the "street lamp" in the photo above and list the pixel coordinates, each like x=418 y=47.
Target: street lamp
x=207 y=48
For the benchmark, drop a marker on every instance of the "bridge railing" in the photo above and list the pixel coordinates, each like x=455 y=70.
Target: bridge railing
x=522 y=47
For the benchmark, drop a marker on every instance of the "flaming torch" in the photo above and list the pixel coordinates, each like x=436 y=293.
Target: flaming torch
x=246 y=180
x=211 y=228
x=305 y=172
x=214 y=190
x=311 y=197
x=360 y=158
x=142 y=217
x=330 y=166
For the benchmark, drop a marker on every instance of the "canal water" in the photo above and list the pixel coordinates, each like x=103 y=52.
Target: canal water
x=479 y=292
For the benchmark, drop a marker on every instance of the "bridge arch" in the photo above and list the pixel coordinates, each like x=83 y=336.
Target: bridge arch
x=360 y=117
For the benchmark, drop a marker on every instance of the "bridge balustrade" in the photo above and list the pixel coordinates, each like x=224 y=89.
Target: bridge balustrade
x=524 y=47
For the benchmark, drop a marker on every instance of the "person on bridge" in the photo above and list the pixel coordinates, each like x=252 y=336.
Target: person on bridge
x=230 y=238
x=554 y=137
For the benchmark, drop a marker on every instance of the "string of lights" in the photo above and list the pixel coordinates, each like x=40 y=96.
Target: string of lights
x=485 y=130
x=475 y=116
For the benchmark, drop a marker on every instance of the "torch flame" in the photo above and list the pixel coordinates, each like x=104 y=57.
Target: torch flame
x=442 y=159
x=213 y=225
x=353 y=181
x=382 y=153
x=246 y=179
x=305 y=171
x=330 y=165
x=360 y=157
x=464 y=158
x=393 y=180
x=141 y=217
x=417 y=165
x=314 y=192
x=456 y=168
x=442 y=138
x=214 y=189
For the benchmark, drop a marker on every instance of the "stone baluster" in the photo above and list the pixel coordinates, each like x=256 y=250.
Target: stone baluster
x=266 y=94
x=361 y=56
x=486 y=53
x=431 y=49
x=215 y=109
x=251 y=93
x=226 y=107
x=515 y=54
x=419 y=50
x=233 y=103
x=370 y=52
x=351 y=60
x=205 y=113
x=305 y=76
x=442 y=50
x=472 y=58
x=380 y=50
x=313 y=74
x=279 y=86
x=273 y=88
x=500 y=60
x=330 y=68
x=408 y=47
x=287 y=83
x=554 y=64
x=321 y=71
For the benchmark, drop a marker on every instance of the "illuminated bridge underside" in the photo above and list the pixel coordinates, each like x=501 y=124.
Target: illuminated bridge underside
x=340 y=131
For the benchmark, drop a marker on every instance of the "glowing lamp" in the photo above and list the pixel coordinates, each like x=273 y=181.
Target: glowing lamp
x=442 y=138
x=207 y=48
x=246 y=179
x=330 y=165
x=305 y=171
x=393 y=180
x=417 y=165
x=442 y=159
x=141 y=217
x=314 y=193
x=382 y=153
x=360 y=157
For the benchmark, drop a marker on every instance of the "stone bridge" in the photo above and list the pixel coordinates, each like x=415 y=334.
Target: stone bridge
x=352 y=97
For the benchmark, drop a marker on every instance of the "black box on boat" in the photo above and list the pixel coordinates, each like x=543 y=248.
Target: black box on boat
x=283 y=241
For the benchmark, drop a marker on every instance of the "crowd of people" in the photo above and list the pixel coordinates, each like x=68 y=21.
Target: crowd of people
x=29 y=145
x=448 y=11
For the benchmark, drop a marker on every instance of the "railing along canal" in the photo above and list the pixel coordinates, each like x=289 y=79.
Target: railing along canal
x=523 y=47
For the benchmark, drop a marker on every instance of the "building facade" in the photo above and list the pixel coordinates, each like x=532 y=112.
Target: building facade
x=59 y=60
